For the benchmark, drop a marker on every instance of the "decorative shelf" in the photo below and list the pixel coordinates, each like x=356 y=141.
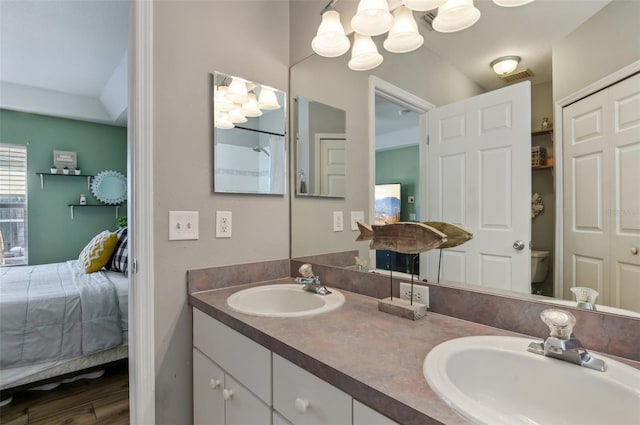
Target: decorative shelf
x=72 y=207
x=542 y=132
x=87 y=176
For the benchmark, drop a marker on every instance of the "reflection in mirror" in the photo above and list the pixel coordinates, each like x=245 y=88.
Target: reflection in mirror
x=330 y=80
x=320 y=149
x=249 y=136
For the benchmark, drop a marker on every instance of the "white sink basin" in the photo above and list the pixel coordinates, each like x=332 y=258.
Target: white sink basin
x=283 y=300
x=495 y=380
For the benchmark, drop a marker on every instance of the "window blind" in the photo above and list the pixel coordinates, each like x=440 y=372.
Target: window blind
x=13 y=172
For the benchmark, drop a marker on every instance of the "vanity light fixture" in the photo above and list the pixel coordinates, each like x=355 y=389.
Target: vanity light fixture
x=374 y=17
x=330 y=40
x=364 y=54
x=267 y=99
x=228 y=112
x=505 y=64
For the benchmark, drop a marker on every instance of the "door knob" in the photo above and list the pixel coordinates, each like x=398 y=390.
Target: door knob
x=302 y=405
x=634 y=250
x=519 y=245
x=227 y=394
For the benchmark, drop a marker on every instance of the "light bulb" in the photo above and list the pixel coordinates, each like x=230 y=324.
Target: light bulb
x=372 y=17
x=268 y=99
x=236 y=117
x=237 y=91
x=423 y=5
x=250 y=107
x=456 y=15
x=364 y=54
x=505 y=64
x=511 y=3
x=403 y=35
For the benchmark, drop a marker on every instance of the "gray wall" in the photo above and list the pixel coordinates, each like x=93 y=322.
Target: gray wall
x=605 y=43
x=191 y=40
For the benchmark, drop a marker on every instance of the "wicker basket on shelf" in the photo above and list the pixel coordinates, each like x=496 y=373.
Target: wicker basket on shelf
x=538 y=156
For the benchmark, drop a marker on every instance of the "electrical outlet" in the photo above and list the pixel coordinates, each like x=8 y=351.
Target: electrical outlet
x=338 y=224
x=183 y=225
x=355 y=217
x=223 y=224
x=420 y=293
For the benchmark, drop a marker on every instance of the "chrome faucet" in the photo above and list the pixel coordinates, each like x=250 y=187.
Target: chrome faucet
x=562 y=344
x=310 y=281
x=585 y=297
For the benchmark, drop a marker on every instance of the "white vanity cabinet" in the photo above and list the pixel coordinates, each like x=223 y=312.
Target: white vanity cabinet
x=233 y=378
x=303 y=398
x=226 y=364
x=364 y=415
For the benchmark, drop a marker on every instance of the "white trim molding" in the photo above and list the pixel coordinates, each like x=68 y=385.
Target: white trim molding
x=140 y=170
x=603 y=83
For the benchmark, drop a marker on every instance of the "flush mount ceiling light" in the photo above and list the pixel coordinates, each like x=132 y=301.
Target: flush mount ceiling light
x=374 y=17
x=505 y=64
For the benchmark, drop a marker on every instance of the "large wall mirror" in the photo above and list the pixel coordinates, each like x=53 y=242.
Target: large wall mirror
x=426 y=75
x=249 y=136
x=321 y=150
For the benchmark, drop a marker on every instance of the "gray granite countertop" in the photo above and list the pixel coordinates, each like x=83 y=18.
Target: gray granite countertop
x=373 y=356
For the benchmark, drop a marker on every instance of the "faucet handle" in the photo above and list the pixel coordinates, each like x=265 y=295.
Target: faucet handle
x=560 y=322
x=305 y=270
x=584 y=294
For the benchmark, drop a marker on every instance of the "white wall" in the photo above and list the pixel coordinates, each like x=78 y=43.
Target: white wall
x=191 y=40
x=605 y=43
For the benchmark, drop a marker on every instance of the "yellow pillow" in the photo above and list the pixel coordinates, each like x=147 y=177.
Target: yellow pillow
x=97 y=253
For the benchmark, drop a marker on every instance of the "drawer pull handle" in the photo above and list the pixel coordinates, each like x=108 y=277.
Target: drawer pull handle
x=302 y=405
x=227 y=394
x=214 y=383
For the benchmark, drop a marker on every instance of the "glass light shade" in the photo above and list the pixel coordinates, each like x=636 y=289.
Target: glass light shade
x=330 y=40
x=456 y=15
x=267 y=99
x=364 y=54
x=511 y=3
x=222 y=121
x=250 y=107
x=423 y=5
x=403 y=35
x=372 y=17
x=505 y=65
x=237 y=91
x=220 y=100
x=236 y=116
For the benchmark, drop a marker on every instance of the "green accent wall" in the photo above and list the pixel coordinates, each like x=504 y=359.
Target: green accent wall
x=401 y=166
x=53 y=236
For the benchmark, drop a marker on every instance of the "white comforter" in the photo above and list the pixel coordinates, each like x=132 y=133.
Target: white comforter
x=55 y=311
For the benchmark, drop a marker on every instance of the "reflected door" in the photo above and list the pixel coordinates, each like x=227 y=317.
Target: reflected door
x=479 y=155
x=333 y=165
x=601 y=142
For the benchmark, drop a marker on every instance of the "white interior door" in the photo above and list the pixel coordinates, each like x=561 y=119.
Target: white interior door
x=480 y=178
x=333 y=165
x=601 y=142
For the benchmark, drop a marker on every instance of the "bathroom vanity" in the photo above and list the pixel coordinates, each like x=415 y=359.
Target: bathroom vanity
x=351 y=363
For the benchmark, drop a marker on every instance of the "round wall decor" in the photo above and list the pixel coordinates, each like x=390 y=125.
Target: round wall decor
x=109 y=187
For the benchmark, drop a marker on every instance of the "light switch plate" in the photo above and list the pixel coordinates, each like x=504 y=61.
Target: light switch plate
x=183 y=225
x=355 y=217
x=338 y=222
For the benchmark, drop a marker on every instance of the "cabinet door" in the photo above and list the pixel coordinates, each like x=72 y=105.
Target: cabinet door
x=242 y=407
x=364 y=415
x=242 y=358
x=303 y=398
x=208 y=379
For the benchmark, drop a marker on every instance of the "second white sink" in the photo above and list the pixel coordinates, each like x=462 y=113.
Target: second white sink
x=283 y=300
x=495 y=380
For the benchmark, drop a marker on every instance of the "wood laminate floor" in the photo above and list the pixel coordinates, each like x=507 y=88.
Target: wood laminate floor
x=99 y=401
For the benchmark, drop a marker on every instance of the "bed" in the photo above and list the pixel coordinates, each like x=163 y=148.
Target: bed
x=56 y=319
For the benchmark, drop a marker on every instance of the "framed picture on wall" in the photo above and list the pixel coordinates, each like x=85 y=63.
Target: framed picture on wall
x=63 y=159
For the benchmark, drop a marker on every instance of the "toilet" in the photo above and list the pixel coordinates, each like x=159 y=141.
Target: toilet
x=539 y=266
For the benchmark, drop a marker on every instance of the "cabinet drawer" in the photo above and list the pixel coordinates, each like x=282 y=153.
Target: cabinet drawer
x=244 y=359
x=364 y=415
x=294 y=387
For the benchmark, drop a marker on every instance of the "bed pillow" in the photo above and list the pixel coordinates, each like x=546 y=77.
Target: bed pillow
x=96 y=254
x=120 y=257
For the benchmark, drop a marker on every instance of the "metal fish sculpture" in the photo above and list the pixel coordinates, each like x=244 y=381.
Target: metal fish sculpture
x=456 y=235
x=403 y=237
